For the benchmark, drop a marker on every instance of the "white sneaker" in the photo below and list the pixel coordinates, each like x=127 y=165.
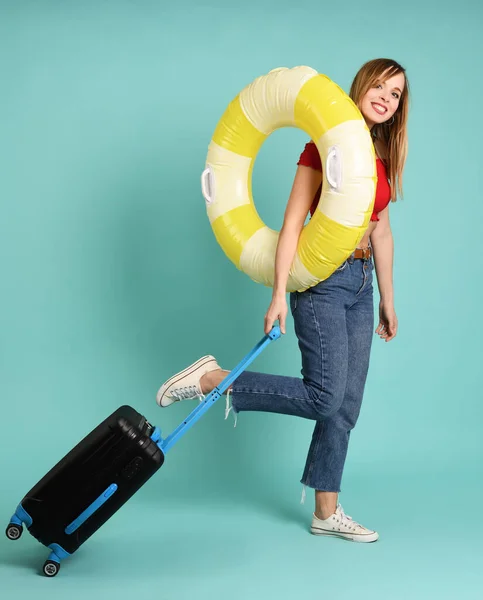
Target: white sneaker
x=341 y=525
x=185 y=385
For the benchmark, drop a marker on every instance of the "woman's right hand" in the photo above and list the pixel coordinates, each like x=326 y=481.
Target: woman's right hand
x=276 y=311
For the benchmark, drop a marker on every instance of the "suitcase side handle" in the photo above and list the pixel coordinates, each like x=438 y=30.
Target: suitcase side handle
x=215 y=394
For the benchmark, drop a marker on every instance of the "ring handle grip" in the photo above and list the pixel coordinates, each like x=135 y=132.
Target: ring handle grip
x=333 y=168
x=208 y=185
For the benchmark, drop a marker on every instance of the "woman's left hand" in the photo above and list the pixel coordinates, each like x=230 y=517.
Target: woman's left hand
x=387 y=327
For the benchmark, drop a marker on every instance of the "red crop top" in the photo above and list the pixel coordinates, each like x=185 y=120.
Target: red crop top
x=310 y=158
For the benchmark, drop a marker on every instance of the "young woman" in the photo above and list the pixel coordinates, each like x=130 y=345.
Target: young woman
x=334 y=319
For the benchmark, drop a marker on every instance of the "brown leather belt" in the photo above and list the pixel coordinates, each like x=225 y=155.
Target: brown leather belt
x=364 y=253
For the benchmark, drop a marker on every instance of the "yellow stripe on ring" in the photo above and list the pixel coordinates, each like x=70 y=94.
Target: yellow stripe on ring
x=324 y=243
x=321 y=104
x=235 y=132
x=234 y=228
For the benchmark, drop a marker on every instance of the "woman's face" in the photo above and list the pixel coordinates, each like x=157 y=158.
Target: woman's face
x=381 y=101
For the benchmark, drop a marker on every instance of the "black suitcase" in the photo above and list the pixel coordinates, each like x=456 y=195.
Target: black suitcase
x=81 y=492
x=89 y=485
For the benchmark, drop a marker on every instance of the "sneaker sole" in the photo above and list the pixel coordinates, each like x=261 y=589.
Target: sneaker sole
x=161 y=398
x=351 y=537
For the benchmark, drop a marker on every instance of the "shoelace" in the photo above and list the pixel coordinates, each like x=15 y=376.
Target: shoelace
x=343 y=516
x=186 y=393
x=192 y=391
x=228 y=407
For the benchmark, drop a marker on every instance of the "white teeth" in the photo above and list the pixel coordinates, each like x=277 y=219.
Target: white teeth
x=381 y=110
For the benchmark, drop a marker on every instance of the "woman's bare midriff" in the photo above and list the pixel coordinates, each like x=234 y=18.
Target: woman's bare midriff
x=364 y=243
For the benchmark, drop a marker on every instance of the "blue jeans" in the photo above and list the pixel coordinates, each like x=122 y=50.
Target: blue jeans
x=334 y=324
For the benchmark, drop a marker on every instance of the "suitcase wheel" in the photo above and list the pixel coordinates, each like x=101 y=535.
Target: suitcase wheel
x=14 y=531
x=51 y=568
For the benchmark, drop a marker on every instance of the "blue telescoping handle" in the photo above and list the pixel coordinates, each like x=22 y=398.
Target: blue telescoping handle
x=214 y=395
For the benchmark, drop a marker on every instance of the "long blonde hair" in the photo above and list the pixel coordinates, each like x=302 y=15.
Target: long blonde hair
x=393 y=137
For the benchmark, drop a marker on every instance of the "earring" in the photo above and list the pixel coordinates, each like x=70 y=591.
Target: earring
x=390 y=123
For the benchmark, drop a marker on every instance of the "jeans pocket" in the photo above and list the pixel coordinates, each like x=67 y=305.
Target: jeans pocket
x=342 y=267
x=293 y=301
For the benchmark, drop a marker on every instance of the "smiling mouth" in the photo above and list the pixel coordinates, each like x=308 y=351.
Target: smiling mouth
x=381 y=110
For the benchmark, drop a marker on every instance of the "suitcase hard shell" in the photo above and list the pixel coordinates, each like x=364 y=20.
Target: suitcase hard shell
x=111 y=463
x=82 y=491
x=85 y=488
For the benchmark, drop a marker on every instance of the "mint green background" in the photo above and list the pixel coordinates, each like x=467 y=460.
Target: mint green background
x=112 y=280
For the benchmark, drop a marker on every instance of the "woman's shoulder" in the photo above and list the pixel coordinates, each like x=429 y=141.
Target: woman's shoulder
x=310 y=157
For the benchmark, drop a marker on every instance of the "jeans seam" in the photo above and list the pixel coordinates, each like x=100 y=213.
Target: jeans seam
x=314 y=453
x=316 y=323
x=365 y=288
x=236 y=390
x=366 y=279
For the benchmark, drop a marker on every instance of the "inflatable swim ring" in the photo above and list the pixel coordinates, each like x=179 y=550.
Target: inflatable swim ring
x=291 y=97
